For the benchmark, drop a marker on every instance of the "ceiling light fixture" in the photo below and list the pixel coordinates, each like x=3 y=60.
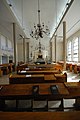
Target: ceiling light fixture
x=39 y=29
x=39 y=46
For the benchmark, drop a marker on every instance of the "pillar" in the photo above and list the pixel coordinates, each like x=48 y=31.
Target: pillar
x=64 y=45
x=24 y=50
x=50 y=51
x=15 y=44
x=27 y=54
x=55 y=48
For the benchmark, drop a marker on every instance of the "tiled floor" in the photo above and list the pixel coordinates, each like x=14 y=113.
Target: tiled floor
x=71 y=77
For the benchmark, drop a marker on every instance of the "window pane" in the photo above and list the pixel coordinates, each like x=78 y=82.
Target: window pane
x=69 y=51
x=75 y=50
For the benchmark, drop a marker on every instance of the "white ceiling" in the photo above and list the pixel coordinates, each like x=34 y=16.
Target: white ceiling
x=72 y=19
x=26 y=12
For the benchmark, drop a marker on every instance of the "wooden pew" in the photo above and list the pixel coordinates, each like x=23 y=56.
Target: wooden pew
x=74 y=89
x=68 y=65
x=1 y=72
x=39 y=67
x=70 y=115
x=7 y=68
x=25 y=72
x=4 y=68
x=26 y=79
x=25 y=92
x=34 y=78
x=37 y=78
x=77 y=68
x=61 y=77
x=67 y=90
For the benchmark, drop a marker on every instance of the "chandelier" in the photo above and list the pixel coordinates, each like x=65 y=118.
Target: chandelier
x=39 y=29
x=39 y=47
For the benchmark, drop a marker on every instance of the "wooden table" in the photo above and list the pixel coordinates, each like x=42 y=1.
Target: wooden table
x=24 y=91
x=74 y=115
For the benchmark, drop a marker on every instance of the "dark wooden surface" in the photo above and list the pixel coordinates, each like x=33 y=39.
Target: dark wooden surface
x=74 y=115
x=37 y=78
x=24 y=90
x=7 y=68
x=73 y=88
x=22 y=79
x=66 y=90
x=33 y=78
x=38 y=72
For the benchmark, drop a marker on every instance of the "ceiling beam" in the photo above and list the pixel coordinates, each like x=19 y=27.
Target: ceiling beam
x=69 y=5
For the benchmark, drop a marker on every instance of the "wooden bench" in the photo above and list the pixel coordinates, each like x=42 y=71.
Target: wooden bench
x=1 y=72
x=39 y=67
x=37 y=78
x=70 y=115
x=67 y=90
x=7 y=68
x=25 y=92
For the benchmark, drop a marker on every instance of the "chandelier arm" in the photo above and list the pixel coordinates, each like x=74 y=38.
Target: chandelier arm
x=47 y=33
x=39 y=29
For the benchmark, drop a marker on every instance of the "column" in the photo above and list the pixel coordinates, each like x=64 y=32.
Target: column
x=15 y=44
x=64 y=45
x=50 y=51
x=27 y=52
x=55 y=48
x=24 y=50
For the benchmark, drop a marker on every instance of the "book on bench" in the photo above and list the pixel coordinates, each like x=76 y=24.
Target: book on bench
x=54 y=89
x=35 y=90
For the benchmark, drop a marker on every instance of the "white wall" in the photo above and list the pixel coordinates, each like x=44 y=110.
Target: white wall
x=20 y=52
x=59 y=50
x=53 y=51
